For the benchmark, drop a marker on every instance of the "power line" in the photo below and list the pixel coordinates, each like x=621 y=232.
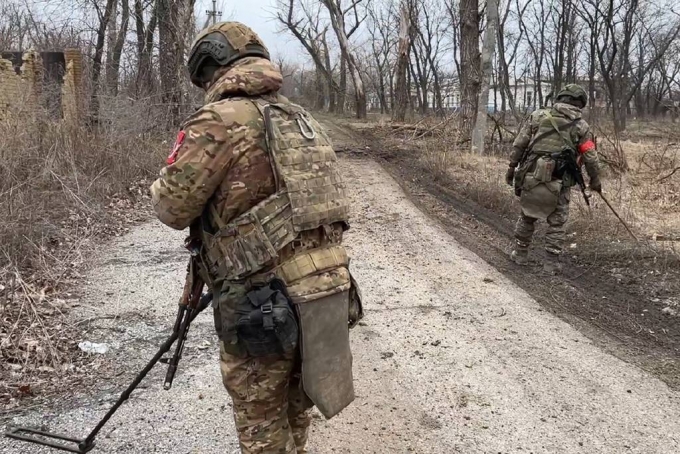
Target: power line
x=213 y=14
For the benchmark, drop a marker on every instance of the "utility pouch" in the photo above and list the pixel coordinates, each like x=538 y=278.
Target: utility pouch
x=545 y=167
x=356 y=309
x=265 y=321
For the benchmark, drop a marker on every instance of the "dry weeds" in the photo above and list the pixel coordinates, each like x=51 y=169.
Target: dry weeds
x=63 y=189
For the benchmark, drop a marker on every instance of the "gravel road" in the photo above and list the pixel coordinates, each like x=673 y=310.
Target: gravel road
x=451 y=358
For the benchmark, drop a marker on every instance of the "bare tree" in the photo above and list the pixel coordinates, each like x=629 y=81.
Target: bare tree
x=430 y=27
x=173 y=20
x=507 y=56
x=470 y=63
x=145 y=38
x=403 y=52
x=116 y=49
x=622 y=21
x=312 y=35
x=104 y=18
x=381 y=30
x=337 y=16
x=479 y=130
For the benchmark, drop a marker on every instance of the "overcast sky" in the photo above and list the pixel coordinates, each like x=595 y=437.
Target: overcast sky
x=257 y=14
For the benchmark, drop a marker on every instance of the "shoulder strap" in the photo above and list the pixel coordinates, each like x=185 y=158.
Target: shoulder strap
x=264 y=107
x=567 y=139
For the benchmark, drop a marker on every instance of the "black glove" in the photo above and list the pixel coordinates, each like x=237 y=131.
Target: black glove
x=596 y=185
x=510 y=176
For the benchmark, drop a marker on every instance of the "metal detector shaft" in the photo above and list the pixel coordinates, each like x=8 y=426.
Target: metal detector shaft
x=85 y=445
x=618 y=217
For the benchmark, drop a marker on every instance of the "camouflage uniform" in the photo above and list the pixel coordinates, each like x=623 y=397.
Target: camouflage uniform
x=220 y=169
x=550 y=200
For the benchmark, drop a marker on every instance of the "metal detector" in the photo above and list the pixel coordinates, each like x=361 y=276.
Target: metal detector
x=185 y=316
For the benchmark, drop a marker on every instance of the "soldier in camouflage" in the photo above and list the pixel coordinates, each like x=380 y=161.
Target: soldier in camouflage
x=534 y=170
x=258 y=174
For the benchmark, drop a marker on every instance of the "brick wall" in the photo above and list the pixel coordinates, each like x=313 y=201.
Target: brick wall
x=21 y=93
x=11 y=88
x=72 y=89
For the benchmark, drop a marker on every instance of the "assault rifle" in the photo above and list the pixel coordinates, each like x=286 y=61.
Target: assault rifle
x=192 y=303
x=567 y=164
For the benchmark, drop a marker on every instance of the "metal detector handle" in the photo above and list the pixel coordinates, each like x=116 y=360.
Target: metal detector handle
x=164 y=348
x=182 y=322
x=195 y=303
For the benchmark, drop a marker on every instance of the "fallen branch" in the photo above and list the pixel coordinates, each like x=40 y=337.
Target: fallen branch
x=669 y=175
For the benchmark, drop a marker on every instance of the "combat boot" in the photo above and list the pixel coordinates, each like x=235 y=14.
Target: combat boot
x=520 y=256
x=552 y=263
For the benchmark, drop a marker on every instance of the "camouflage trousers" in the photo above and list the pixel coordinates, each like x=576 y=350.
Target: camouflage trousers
x=555 y=234
x=271 y=411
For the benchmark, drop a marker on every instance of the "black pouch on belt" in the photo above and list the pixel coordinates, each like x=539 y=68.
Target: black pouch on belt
x=266 y=323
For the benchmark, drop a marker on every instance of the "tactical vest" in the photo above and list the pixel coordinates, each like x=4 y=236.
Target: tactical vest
x=310 y=194
x=547 y=140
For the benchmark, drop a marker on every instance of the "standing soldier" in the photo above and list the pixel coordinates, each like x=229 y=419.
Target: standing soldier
x=545 y=164
x=256 y=178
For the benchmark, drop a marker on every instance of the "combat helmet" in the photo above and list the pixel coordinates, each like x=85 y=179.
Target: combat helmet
x=573 y=94
x=221 y=45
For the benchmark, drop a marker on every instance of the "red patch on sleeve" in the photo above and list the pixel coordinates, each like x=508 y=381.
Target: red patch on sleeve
x=175 y=149
x=586 y=146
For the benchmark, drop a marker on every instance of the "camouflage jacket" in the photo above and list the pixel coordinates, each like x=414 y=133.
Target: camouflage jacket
x=578 y=131
x=221 y=153
x=221 y=166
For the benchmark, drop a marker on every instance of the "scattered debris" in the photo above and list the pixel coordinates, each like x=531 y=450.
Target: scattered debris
x=670 y=311
x=93 y=347
x=204 y=345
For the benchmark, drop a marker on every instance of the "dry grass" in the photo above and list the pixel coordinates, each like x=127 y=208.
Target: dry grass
x=62 y=189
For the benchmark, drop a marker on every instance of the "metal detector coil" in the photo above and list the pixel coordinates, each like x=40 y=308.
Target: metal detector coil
x=49 y=439
x=70 y=444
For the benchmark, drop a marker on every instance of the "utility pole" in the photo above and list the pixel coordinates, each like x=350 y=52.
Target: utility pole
x=213 y=14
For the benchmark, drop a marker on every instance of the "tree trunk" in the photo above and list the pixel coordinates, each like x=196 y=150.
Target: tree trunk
x=320 y=92
x=328 y=73
x=401 y=90
x=479 y=131
x=145 y=35
x=470 y=64
x=342 y=93
x=97 y=60
x=169 y=56
x=111 y=38
x=332 y=91
x=113 y=66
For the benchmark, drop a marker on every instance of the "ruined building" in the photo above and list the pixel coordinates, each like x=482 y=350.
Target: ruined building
x=46 y=82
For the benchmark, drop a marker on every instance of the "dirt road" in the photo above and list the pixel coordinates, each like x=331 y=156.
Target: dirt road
x=452 y=356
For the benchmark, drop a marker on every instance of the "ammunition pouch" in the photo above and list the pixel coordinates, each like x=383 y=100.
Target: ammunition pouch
x=265 y=321
x=544 y=169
